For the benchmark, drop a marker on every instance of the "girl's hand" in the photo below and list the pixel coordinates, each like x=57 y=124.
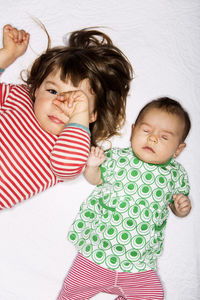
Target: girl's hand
x=96 y=157
x=72 y=103
x=181 y=206
x=15 y=41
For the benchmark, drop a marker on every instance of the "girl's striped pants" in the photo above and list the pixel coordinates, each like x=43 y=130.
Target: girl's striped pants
x=86 y=279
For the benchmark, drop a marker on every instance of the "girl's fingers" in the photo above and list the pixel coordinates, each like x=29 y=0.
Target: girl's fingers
x=17 y=35
x=13 y=32
x=58 y=103
x=21 y=36
x=67 y=98
x=59 y=98
x=7 y=27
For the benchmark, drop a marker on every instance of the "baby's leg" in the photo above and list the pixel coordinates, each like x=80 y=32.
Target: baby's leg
x=140 y=286
x=85 y=280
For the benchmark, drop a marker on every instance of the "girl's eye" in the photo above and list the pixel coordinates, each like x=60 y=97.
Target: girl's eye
x=146 y=130
x=51 y=91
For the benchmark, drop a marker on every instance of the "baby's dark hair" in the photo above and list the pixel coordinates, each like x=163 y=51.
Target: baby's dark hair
x=90 y=54
x=170 y=106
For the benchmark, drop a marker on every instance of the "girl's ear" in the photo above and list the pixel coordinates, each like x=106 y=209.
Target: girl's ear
x=36 y=92
x=92 y=117
x=179 y=150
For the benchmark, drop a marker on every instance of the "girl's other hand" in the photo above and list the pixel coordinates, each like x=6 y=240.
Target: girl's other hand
x=15 y=41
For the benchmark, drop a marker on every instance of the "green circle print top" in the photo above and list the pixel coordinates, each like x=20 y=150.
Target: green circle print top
x=121 y=224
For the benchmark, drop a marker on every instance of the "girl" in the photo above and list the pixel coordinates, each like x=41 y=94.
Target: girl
x=70 y=91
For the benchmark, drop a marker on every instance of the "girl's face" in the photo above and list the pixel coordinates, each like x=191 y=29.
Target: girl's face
x=49 y=116
x=156 y=137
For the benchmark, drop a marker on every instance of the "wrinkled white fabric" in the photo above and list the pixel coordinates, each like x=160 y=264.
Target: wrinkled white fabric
x=161 y=39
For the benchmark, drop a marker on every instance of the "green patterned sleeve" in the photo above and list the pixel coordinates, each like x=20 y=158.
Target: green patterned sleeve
x=182 y=184
x=106 y=167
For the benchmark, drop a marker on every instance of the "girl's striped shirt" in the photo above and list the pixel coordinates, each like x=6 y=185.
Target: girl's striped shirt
x=32 y=160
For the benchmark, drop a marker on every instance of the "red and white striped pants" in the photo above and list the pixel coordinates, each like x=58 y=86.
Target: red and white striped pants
x=86 y=279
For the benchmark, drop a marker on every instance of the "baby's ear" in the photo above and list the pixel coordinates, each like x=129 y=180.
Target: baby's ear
x=179 y=149
x=132 y=127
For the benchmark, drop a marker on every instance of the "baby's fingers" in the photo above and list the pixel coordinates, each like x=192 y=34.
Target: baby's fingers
x=92 y=150
x=184 y=205
x=99 y=152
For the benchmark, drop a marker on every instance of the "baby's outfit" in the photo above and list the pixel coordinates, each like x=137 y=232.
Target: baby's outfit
x=120 y=226
x=32 y=160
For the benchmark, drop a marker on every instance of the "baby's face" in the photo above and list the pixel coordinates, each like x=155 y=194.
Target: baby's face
x=49 y=116
x=156 y=137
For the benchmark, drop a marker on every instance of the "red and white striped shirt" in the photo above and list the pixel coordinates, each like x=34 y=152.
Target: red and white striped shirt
x=32 y=160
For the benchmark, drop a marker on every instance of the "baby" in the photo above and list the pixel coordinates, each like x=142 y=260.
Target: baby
x=119 y=229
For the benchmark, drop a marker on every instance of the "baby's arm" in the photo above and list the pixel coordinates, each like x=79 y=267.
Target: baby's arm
x=92 y=172
x=15 y=43
x=181 y=206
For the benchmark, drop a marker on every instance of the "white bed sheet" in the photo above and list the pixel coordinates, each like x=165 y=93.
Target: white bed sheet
x=162 y=40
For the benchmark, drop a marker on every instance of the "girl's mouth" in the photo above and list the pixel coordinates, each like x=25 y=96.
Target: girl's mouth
x=55 y=120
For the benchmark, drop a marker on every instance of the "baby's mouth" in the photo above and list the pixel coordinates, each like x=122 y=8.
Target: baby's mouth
x=147 y=148
x=56 y=120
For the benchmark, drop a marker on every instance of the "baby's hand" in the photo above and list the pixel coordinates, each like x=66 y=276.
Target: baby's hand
x=96 y=157
x=15 y=41
x=182 y=205
x=72 y=103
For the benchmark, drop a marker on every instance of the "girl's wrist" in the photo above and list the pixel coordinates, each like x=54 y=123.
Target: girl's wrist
x=77 y=125
x=80 y=118
x=6 y=58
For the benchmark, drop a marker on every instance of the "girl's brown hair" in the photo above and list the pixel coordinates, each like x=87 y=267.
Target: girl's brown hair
x=90 y=54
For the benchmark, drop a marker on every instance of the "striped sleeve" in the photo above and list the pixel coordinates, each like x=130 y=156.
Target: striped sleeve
x=4 y=90
x=70 y=152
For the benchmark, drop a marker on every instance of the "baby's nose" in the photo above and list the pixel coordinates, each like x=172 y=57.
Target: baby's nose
x=153 y=138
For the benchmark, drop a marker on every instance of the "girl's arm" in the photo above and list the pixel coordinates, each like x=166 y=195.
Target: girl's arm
x=70 y=153
x=15 y=43
x=92 y=172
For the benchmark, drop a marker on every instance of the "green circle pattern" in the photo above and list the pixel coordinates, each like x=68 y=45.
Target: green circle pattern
x=121 y=224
